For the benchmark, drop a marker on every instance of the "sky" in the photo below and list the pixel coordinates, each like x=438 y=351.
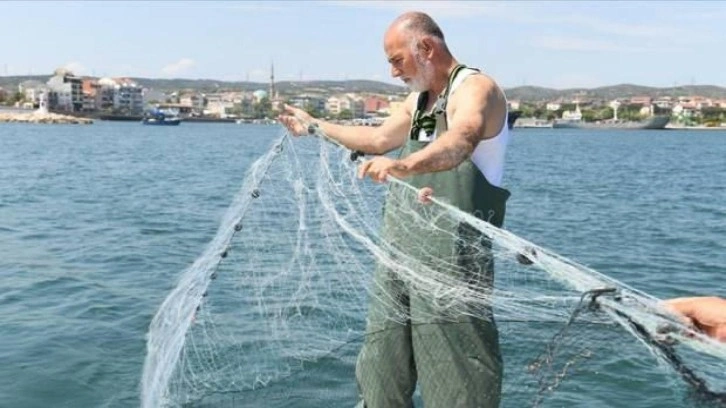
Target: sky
x=553 y=44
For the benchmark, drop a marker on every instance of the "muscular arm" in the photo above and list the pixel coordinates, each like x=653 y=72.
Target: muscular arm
x=476 y=104
x=373 y=140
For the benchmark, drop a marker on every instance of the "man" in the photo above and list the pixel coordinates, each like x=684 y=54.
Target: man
x=453 y=133
x=707 y=314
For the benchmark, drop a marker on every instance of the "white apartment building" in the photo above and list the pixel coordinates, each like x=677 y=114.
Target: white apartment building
x=128 y=96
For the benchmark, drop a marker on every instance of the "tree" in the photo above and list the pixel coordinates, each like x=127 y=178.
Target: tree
x=527 y=111
x=567 y=107
x=589 y=115
x=630 y=112
x=262 y=109
x=345 y=114
x=314 y=110
x=712 y=113
x=606 y=113
x=16 y=97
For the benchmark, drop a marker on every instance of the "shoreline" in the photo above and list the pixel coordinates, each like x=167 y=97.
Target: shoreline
x=721 y=128
x=42 y=118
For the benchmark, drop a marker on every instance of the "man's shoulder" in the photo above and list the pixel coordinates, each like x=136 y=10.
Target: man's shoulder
x=409 y=104
x=479 y=87
x=480 y=82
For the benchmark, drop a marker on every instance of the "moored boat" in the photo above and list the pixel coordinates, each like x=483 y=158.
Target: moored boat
x=161 y=118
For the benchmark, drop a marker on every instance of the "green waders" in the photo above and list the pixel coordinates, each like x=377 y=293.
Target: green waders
x=455 y=358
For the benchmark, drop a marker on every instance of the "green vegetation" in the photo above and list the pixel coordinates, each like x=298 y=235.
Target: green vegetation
x=345 y=114
x=11 y=98
x=713 y=114
x=262 y=109
x=314 y=110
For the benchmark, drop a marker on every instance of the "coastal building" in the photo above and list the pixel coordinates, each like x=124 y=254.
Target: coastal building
x=641 y=100
x=375 y=106
x=259 y=95
x=65 y=91
x=647 y=110
x=339 y=103
x=334 y=105
x=217 y=105
x=128 y=96
x=31 y=91
x=306 y=101
x=195 y=101
x=234 y=97
x=553 y=106
x=683 y=110
x=176 y=109
x=105 y=93
x=89 y=88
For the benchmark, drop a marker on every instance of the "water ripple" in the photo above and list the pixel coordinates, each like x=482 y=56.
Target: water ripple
x=96 y=223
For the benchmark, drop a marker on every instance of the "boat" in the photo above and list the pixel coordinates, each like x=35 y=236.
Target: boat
x=530 y=123
x=573 y=120
x=161 y=118
x=654 y=122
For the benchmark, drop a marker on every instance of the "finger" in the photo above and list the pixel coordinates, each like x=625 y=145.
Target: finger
x=424 y=195
x=363 y=169
x=289 y=124
x=288 y=108
x=382 y=176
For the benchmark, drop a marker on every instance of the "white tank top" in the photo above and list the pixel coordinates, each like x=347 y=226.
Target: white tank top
x=488 y=155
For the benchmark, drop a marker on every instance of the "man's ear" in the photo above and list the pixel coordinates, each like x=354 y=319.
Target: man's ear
x=426 y=46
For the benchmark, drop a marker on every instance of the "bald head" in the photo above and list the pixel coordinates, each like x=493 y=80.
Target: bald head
x=415 y=27
x=418 y=23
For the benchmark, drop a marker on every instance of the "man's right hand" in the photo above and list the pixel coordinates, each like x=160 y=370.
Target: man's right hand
x=295 y=120
x=707 y=313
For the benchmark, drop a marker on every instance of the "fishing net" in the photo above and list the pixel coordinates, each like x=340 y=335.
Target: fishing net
x=276 y=309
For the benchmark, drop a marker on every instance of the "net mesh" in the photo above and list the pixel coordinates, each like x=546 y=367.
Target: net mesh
x=276 y=309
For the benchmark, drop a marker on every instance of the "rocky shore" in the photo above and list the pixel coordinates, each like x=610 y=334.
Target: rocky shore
x=40 y=117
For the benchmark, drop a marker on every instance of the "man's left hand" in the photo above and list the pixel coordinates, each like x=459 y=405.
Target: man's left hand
x=379 y=168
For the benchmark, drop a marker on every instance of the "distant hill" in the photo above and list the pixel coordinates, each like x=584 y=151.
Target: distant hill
x=533 y=93
x=11 y=82
x=524 y=93
x=211 y=85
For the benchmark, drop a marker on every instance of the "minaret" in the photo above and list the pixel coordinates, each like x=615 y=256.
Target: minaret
x=272 y=81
